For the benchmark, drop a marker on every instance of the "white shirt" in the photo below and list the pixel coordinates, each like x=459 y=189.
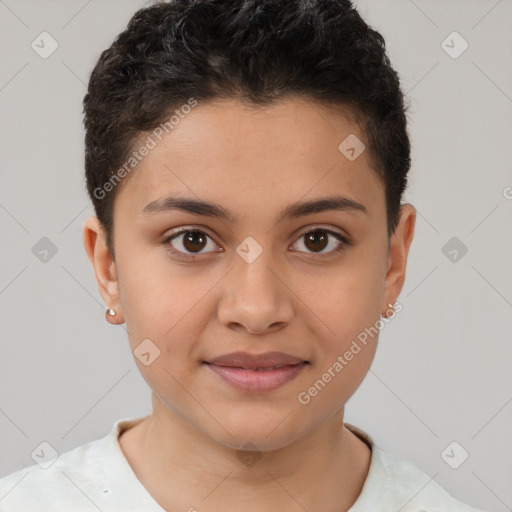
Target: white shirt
x=96 y=476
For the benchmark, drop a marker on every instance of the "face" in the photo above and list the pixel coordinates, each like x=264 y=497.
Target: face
x=194 y=285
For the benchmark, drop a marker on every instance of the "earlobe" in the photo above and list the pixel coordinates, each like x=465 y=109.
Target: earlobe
x=94 y=239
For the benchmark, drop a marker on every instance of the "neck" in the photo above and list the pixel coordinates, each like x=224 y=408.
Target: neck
x=182 y=468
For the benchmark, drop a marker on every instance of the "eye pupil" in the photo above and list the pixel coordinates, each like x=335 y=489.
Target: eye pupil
x=191 y=239
x=316 y=238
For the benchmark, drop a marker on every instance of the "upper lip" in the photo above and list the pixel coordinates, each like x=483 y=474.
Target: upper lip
x=249 y=361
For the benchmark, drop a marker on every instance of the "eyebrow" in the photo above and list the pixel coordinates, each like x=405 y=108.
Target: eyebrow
x=292 y=211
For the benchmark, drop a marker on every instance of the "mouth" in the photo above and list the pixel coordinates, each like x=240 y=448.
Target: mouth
x=257 y=372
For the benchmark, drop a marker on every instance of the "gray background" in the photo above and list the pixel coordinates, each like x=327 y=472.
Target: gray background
x=442 y=371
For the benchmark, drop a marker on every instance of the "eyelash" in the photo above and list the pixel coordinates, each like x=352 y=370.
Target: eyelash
x=344 y=243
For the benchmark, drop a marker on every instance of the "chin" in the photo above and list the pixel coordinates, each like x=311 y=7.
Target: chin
x=254 y=442
x=265 y=433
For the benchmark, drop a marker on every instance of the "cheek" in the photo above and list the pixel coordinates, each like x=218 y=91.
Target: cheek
x=156 y=293
x=349 y=301
x=170 y=310
x=347 y=329
x=341 y=366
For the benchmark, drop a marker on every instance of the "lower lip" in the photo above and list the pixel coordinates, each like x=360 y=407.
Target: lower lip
x=257 y=380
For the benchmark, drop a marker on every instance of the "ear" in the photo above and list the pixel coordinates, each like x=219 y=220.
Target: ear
x=400 y=243
x=104 y=266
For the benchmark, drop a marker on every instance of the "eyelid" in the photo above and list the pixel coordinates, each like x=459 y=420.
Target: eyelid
x=186 y=228
x=314 y=227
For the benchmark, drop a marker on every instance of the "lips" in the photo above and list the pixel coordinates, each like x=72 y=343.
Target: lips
x=257 y=372
x=264 y=361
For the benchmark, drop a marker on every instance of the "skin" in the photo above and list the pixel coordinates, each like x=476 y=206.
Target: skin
x=294 y=298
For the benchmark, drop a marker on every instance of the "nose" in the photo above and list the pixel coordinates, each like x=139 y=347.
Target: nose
x=255 y=297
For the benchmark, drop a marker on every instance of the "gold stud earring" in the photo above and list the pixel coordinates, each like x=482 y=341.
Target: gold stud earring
x=110 y=315
x=385 y=314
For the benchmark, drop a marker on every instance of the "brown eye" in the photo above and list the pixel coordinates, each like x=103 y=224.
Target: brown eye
x=317 y=240
x=189 y=242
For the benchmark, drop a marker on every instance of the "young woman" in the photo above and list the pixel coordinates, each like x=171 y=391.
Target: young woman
x=246 y=161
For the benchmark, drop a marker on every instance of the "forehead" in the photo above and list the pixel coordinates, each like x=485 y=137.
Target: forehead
x=249 y=158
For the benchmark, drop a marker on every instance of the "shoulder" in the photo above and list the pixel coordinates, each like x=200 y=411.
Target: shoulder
x=67 y=481
x=413 y=490
x=393 y=483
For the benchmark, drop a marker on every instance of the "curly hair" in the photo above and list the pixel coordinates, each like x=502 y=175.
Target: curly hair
x=257 y=51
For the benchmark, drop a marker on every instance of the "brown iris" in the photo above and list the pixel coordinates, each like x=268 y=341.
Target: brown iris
x=317 y=240
x=193 y=239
